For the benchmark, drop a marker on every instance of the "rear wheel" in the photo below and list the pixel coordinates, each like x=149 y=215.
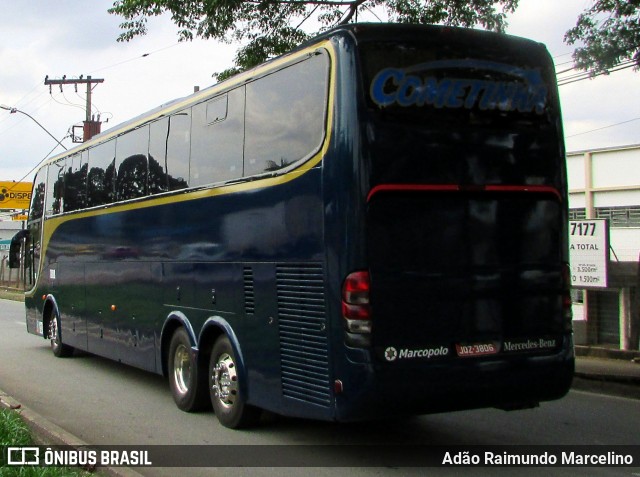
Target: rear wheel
x=188 y=382
x=225 y=388
x=59 y=349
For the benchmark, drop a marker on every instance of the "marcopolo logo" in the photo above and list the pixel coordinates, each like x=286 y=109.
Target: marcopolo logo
x=391 y=354
x=518 y=89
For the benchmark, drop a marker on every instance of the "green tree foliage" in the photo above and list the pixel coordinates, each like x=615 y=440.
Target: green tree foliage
x=608 y=34
x=268 y=28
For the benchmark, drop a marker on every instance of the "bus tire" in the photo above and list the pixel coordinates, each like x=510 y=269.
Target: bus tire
x=59 y=349
x=188 y=382
x=225 y=388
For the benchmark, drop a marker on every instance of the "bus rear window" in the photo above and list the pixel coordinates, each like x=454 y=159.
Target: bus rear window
x=461 y=112
x=414 y=82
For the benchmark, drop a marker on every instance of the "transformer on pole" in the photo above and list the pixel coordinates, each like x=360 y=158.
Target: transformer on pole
x=91 y=127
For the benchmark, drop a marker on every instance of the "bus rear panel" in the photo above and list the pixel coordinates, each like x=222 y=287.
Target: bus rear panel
x=465 y=275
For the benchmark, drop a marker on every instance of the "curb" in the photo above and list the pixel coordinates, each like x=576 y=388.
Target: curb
x=612 y=383
x=623 y=387
x=606 y=353
x=48 y=433
x=610 y=378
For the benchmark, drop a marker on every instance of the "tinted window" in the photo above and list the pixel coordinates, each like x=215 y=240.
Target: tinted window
x=425 y=83
x=55 y=179
x=37 y=197
x=169 y=153
x=217 y=139
x=461 y=111
x=34 y=225
x=75 y=182
x=100 y=184
x=285 y=117
x=131 y=161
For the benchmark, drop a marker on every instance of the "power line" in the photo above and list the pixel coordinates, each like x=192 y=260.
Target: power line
x=589 y=75
x=603 y=127
x=581 y=73
x=144 y=55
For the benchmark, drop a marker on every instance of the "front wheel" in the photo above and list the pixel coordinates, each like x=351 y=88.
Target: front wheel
x=225 y=388
x=59 y=349
x=188 y=382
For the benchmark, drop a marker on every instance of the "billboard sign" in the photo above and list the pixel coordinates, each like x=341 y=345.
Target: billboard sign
x=589 y=253
x=15 y=195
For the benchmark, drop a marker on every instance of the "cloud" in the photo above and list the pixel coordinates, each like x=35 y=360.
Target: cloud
x=546 y=21
x=60 y=25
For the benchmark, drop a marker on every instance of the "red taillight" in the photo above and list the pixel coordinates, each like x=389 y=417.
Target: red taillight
x=356 y=312
x=355 y=302
x=355 y=290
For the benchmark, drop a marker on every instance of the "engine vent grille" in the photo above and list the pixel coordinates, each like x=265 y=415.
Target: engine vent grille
x=249 y=295
x=303 y=334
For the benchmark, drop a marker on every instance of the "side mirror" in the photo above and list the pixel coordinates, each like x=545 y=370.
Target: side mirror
x=15 y=247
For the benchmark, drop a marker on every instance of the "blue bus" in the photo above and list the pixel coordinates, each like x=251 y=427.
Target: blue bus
x=373 y=224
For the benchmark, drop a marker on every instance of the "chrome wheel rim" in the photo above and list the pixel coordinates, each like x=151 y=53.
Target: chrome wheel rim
x=53 y=331
x=182 y=369
x=224 y=380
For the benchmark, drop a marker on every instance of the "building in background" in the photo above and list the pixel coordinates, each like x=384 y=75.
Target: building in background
x=605 y=184
x=8 y=229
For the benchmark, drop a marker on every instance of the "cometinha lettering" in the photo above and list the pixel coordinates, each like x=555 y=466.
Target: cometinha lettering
x=398 y=86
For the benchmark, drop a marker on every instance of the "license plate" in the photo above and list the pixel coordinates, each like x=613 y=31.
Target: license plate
x=476 y=349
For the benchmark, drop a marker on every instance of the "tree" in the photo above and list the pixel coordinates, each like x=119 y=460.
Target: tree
x=269 y=28
x=610 y=35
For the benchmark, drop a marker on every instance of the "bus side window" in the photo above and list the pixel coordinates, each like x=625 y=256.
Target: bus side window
x=285 y=118
x=217 y=135
x=34 y=226
x=37 y=200
x=75 y=182
x=169 y=140
x=131 y=163
x=55 y=188
x=101 y=176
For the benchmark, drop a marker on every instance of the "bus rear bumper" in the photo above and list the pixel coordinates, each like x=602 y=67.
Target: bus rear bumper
x=512 y=384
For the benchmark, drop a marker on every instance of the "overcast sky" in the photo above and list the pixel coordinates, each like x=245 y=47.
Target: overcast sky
x=73 y=38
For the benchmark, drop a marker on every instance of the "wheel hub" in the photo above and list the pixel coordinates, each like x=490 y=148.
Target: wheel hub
x=53 y=333
x=182 y=369
x=53 y=329
x=225 y=380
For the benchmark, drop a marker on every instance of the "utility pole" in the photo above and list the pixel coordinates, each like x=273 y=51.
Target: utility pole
x=91 y=127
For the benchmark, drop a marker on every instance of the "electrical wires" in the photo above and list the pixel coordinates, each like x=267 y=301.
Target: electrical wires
x=573 y=74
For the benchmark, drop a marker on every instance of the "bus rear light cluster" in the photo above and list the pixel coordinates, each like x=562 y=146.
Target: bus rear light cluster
x=356 y=309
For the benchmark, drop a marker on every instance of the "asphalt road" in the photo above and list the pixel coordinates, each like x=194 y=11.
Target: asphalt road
x=103 y=402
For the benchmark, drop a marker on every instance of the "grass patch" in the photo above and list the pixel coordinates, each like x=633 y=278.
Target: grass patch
x=14 y=432
x=11 y=294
